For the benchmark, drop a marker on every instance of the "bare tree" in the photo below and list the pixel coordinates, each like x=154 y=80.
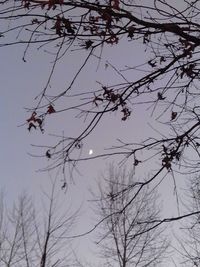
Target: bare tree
x=125 y=239
x=29 y=238
x=164 y=82
x=188 y=236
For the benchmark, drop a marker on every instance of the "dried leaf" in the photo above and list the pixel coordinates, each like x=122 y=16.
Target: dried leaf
x=48 y=155
x=32 y=118
x=31 y=125
x=88 y=44
x=136 y=162
x=131 y=31
x=64 y=185
x=50 y=109
x=115 y=4
x=160 y=96
x=152 y=63
x=173 y=115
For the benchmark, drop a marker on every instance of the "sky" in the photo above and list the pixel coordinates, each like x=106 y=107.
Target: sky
x=20 y=82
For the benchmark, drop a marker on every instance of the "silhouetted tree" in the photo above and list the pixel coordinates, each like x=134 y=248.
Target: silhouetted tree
x=127 y=237
x=188 y=236
x=30 y=238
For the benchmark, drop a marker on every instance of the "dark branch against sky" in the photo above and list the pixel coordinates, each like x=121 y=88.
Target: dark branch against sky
x=118 y=77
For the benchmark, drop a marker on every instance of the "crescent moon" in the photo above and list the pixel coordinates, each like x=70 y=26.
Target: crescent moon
x=90 y=152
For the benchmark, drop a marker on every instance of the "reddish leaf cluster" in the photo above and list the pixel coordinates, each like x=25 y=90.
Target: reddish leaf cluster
x=26 y=3
x=35 y=122
x=115 y=4
x=126 y=113
x=62 y=25
x=51 y=4
x=189 y=71
x=114 y=98
x=50 y=109
x=169 y=156
x=113 y=39
x=104 y=30
x=187 y=47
